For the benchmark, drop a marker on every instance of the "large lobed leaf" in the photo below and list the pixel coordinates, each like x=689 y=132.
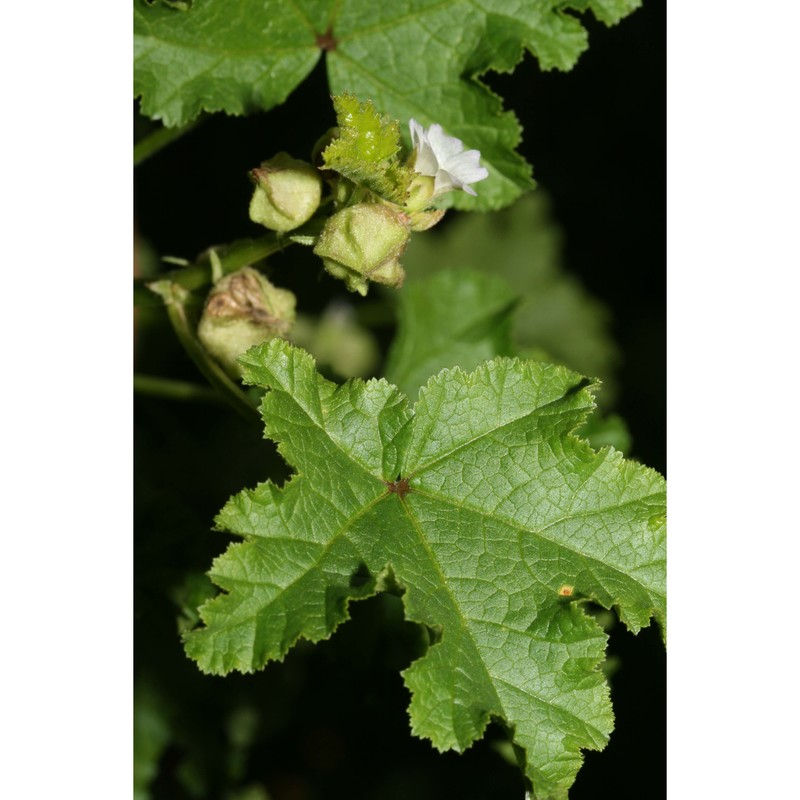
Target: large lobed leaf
x=483 y=509
x=412 y=58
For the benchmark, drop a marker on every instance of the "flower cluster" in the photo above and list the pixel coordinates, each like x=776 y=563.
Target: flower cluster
x=375 y=195
x=357 y=203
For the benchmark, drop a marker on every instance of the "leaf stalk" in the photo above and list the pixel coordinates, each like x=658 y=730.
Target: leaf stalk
x=175 y=298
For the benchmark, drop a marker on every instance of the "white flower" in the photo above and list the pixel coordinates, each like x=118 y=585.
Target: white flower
x=443 y=158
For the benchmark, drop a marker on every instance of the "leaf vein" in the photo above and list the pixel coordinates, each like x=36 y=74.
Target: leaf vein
x=538 y=532
x=420 y=14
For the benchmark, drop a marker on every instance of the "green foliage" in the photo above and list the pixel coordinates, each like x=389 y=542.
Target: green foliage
x=482 y=509
x=151 y=734
x=556 y=319
x=417 y=58
x=179 y=5
x=367 y=149
x=207 y=59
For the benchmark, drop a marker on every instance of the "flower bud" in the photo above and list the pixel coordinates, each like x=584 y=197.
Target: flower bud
x=242 y=310
x=420 y=193
x=364 y=242
x=350 y=349
x=336 y=340
x=417 y=209
x=287 y=193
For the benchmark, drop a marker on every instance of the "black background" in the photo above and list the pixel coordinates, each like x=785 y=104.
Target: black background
x=332 y=718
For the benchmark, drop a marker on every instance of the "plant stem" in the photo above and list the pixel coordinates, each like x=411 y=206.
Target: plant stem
x=248 y=251
x=172 y=389
x=232 y=257
x=152 y=143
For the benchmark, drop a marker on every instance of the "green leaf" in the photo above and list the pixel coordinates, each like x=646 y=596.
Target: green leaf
x=459 y=318
x=417 y=58
x=210 y=59
x=454 y=319
x=178 y=5
x=367 y=149
x=602 y=431
x=556 y=319
x=484 y=510
x=608 y=11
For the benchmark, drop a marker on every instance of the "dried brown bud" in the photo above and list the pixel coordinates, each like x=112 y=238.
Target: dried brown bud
x=243 y=310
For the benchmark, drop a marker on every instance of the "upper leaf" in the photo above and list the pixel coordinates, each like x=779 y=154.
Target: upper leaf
x=487 y=512
x=209 y=59
x=416 y=58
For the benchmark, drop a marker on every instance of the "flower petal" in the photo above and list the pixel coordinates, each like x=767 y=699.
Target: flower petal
x=426 y=162
x=417 y=133
x=443 y=157
x=444 y=146
x=466 y=167
x=444 y=183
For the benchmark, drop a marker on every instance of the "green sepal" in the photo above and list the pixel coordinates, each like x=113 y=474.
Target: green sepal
x=367 y=149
